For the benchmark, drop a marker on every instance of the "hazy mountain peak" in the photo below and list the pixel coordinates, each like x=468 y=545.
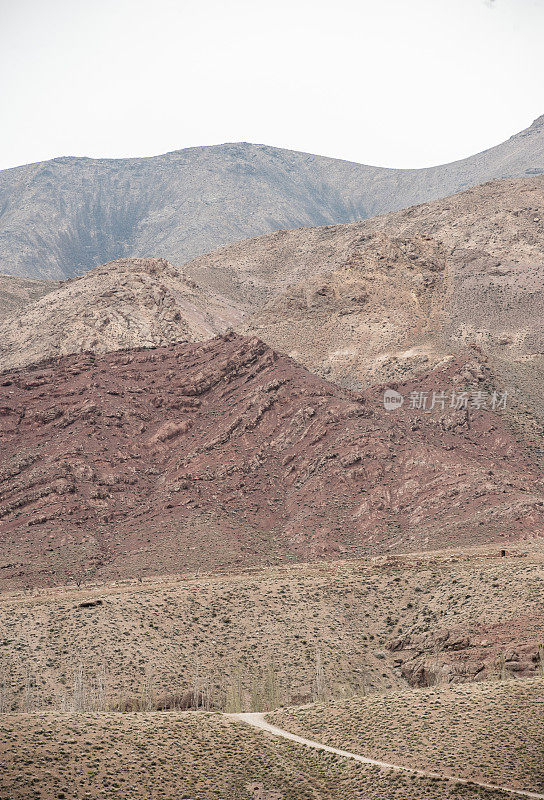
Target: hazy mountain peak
x=538 y=124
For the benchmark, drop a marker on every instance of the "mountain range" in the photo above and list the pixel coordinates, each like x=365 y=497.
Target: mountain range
x=62 y=217
x=149 y=420
x=365 y=303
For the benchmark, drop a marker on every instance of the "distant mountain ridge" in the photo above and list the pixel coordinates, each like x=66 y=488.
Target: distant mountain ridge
x=17 y=293
x=62 y=217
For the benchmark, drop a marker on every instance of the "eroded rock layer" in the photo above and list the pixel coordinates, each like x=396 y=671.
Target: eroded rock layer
x=225 y=453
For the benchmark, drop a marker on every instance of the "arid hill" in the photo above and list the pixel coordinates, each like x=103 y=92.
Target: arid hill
x=373 y=300
x=390 y=297
x=138 y=302
x=17 y=293
x=226 y=453
x=62 y=217
x=200 y=756
x=488 y=732
x=362 y=303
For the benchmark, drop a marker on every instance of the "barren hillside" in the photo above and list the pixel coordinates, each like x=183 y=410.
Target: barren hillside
x=490 y=732
x=62 y=217
x=253 y=639
x=17 y=293
x=138 y=302
x=372 y=300
x=360 y=303
x=206 y=757
x=389 y=297
x=226 y=453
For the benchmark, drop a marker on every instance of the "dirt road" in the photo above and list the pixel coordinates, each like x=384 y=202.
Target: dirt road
x=257 y=720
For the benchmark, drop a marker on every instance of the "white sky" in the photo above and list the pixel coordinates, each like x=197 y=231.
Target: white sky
x=387 y=82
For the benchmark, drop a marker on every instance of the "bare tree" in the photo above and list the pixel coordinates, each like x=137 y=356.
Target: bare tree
x=501 y=666
x=272 y=690
x=320 y=682
x=196 y=694
x=78 y=691
x=234 y=694
x=29 y=695
x=101 y=689
x=87 y=694
x=148 y=696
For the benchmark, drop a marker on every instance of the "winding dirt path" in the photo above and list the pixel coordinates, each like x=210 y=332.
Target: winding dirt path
x=257 y=720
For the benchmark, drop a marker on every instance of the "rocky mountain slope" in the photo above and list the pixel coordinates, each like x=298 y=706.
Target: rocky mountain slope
x=16 y=293
x=364 y=300
x=360 y=303
x=134 y=302
x=62 y=217
x=224 y=453
x=364 y=303
x=391 y=296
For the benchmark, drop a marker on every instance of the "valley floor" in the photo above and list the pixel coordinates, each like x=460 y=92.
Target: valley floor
x=190 y=757
x=359 y=638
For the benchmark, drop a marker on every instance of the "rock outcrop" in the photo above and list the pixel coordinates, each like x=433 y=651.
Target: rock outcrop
x=224 y=453
x=133 y=302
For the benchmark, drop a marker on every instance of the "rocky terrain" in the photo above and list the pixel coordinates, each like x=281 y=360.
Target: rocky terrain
x=278 y=636
x=225 y=453
x=134 y=302
x=382 y=299
x=17 y=293
x=388 y=298
x=191 y=520
x=360 y=304
x=62 y=217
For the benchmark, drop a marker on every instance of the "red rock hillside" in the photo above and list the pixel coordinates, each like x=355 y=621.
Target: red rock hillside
x=227 y=454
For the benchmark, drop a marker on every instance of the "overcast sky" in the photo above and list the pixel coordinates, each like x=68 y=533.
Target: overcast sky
x=386 y=82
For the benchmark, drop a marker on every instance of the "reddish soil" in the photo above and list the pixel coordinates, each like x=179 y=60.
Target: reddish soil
x=225 y=454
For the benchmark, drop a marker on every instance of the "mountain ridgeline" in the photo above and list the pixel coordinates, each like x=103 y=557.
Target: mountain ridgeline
x=62 y=217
